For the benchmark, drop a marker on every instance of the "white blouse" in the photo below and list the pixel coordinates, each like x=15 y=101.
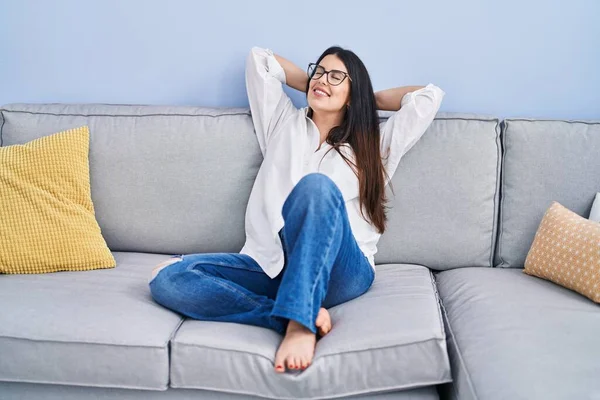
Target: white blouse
x=288 y=140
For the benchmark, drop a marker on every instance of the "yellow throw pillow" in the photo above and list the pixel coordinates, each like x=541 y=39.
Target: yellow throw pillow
x=566 y=251
x=47 y=220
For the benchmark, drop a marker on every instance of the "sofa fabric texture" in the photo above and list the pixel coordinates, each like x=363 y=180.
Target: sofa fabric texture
x=595 y=211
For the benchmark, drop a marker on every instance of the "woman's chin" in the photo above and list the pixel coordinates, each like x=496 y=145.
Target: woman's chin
x=318 y=105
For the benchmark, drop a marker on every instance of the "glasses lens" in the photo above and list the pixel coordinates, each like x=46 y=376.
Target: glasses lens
x=316 y=72
x=336 y=77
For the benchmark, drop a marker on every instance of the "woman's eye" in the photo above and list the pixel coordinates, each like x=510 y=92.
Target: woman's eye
x=337 y=76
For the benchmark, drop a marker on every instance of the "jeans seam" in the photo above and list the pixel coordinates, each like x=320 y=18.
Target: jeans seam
x=312 y=296
x=227 y=286
x=238 y=266
x=233 y=266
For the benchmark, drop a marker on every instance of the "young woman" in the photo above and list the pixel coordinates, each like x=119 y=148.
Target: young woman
x=317 y=208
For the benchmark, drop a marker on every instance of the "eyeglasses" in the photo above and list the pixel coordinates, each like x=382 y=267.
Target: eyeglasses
x=334 y=77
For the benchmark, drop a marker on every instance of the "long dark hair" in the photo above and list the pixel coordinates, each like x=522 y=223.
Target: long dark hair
x=360 y=129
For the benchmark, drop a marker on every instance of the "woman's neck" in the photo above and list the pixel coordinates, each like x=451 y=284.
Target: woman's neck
x=325 y=122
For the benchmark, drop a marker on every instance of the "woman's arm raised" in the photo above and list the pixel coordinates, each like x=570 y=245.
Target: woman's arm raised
x=295 y=77
x=391 y=99
x=416 y=110
x=268 y=102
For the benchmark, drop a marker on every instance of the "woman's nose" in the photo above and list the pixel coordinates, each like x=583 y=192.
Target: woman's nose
x=323 y=79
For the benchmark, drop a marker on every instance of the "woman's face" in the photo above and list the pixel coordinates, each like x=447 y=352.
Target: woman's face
x=322 y=96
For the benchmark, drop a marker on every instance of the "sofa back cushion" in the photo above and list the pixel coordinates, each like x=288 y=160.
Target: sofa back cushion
x=164 y=179
x=176 y=180
x=544 y=161
x=444 y=211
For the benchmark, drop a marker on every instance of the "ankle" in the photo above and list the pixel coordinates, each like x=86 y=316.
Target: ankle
x=294 y=326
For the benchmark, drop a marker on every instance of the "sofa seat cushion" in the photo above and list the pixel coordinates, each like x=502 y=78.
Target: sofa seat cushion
x=86 y=328
x=392 y=337
x=514 y=336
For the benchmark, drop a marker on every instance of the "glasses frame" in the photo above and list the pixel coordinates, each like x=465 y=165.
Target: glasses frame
x=326 y=73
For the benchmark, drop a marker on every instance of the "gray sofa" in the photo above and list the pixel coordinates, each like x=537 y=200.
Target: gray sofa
x=450 y=315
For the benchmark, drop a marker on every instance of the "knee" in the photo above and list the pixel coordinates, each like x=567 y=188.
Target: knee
x=316 y=185
x=168 y=288
x=166 y=277
x=162 y=266
x=163 y=277
x=316 y=192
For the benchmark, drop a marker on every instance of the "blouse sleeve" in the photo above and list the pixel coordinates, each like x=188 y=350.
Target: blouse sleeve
x=406 y=126
x=269 y=104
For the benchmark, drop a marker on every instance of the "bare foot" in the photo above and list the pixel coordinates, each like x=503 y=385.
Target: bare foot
x=323 y=322
x=298 y=347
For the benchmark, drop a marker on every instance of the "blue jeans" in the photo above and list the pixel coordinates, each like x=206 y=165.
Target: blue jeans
x=323 y=267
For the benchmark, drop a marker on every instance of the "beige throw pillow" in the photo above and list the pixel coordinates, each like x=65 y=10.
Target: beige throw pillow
x=566 y=251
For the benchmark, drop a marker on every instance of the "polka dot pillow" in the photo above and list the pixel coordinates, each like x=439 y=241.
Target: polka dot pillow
x=566 y=251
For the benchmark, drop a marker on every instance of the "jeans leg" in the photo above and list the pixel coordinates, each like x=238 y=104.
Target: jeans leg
x=226 y=287
x=320 y=247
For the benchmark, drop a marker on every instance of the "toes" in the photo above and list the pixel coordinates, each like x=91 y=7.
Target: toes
x=323 y=321
x=307 y=363
x=279 y=367
x=324 y=330
x=321 y=317
x=279 y=363
x=290 y=363
x=320 y=320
